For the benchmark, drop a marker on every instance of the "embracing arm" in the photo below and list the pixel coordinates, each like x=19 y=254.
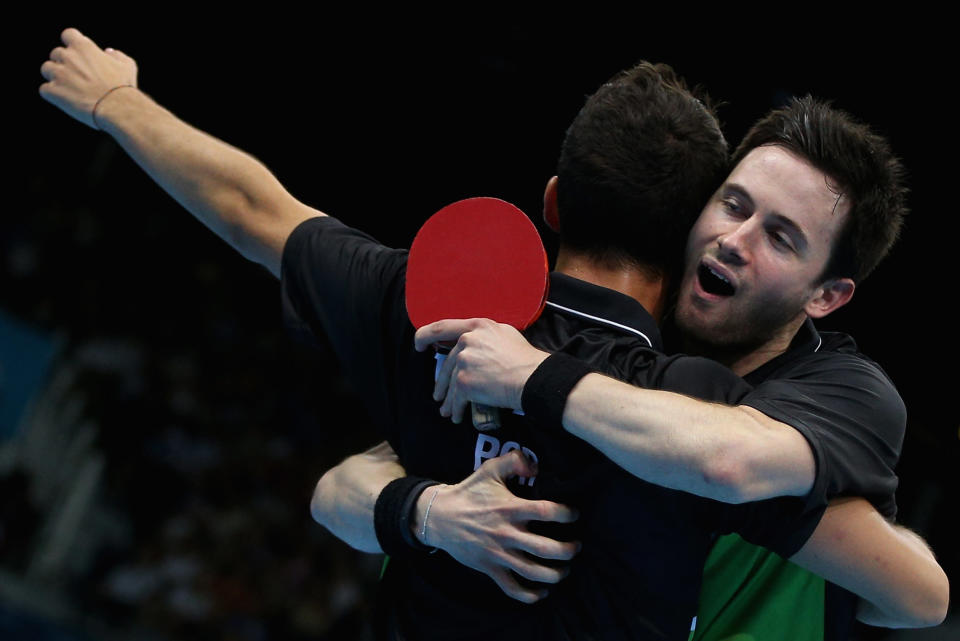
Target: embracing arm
x=228 y=190
x=345 y=495
x=478 y=521
x=890 y=568
x=736 y=454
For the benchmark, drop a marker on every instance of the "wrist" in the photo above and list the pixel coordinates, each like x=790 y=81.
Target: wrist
x=394 y=515
x=544 y=395
x=526 y=371
x=110 y=106
x=424 y=521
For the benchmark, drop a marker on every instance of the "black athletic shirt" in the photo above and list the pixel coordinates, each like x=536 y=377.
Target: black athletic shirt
x=638 y=574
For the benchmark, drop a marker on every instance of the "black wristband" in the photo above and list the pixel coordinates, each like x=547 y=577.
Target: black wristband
x=545 y=393
x=393 y=512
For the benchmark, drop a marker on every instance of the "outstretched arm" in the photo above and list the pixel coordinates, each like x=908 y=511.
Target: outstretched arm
x=228 y=190
x=890 y=568
x=478 y=521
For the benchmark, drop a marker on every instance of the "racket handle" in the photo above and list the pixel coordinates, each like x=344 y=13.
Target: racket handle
x=486 y=418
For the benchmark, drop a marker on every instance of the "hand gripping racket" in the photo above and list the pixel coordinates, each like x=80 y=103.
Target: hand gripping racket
x=477 y=258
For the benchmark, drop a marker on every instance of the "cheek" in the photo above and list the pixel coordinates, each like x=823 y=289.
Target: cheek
x=702 y=234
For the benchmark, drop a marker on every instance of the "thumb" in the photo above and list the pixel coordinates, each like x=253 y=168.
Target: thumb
x=119 y=55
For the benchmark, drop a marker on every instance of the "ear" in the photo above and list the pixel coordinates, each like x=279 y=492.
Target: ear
x=831 y=295
x=550 y=214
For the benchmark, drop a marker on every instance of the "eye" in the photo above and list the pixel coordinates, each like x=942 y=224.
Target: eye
x=732 y=206
x=781 y=240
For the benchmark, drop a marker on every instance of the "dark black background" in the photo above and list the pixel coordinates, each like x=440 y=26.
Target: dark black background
x=383 y=119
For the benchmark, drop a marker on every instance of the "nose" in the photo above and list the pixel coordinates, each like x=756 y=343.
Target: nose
x=734 y=244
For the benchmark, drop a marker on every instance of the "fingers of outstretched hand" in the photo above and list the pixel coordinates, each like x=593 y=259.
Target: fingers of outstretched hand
x=546 y=548
x=548 y=511
x=512 y=588
x=529 y=568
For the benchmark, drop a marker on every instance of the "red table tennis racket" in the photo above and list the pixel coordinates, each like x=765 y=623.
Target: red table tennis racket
x=477 y=258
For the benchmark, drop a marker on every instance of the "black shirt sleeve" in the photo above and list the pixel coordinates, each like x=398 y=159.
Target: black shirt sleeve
x=853 y=418
x=782 y=524
x=840 y=401
x=341 y=283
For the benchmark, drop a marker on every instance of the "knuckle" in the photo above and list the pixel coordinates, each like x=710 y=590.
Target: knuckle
x=551 y=576
x=540 y=510
x=500 y=533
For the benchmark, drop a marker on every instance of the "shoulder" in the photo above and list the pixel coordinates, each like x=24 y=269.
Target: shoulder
x=322 y=230
x=835 y=391
x=323 y=248
x=837 y=371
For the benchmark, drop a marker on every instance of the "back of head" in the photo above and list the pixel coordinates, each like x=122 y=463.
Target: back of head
x=637 y=165
x=861 y=167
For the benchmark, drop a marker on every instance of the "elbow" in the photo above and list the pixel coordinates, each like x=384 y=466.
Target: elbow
x=320 y=503
x=932 y=610
x=927 y=607
x=727 y=477
x=735 y=472
x=739 y=477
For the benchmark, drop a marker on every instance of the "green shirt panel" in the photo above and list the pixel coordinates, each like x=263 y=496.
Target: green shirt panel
x=752 y=594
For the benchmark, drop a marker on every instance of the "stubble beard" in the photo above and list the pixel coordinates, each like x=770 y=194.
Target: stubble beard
x=739 y=334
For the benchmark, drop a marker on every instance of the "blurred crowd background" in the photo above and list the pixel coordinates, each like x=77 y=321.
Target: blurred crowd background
x=160 y=435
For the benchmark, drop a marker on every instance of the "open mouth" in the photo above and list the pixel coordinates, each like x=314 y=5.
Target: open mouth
x=714 y=283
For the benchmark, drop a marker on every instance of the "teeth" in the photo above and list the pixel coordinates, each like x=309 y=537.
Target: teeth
x=719 y=275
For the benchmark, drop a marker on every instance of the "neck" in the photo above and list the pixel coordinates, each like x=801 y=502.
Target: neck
x=643 y=285
x=743 y=359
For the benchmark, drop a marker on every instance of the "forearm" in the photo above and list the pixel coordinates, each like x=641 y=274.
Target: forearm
x=731 y=454
x=890 y=568
x=727 y=453
x=344 y=498
x=917 y=599
x=228 y=190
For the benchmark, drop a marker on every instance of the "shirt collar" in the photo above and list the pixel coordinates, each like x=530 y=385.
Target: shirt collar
x=574 y=296
x=806 y=341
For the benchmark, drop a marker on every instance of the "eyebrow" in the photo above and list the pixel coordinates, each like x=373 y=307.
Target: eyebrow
x=740 y=192
x=779 y=218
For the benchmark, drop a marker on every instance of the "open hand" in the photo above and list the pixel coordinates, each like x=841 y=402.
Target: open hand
x=483 y=525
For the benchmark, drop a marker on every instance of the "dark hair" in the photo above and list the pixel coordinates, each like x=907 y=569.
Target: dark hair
x=861 y=166
x=636 y=167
